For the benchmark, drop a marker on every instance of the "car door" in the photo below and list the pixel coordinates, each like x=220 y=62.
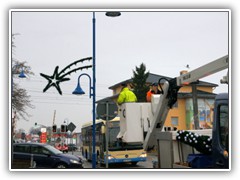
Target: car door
x=42 y=156
x=21 y=152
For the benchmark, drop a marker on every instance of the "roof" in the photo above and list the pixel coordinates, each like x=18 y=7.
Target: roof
x=108 y=98
x=155 y=78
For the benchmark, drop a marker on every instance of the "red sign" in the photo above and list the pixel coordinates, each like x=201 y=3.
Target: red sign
x=43 y=137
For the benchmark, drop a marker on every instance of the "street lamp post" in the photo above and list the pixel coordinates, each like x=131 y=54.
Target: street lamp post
x=79 y=90
x=94 y=94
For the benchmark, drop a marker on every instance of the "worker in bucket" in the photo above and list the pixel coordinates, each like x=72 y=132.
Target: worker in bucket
x=153 y=90
x=126 y=95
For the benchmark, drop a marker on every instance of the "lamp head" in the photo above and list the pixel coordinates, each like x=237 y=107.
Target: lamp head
x=113 y=14
x=22 y=75
x=78 y=90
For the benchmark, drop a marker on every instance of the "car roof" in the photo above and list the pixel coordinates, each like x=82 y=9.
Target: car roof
x=32 y=143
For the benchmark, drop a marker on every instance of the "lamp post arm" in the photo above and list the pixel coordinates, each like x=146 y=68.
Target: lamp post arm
x=90 y=83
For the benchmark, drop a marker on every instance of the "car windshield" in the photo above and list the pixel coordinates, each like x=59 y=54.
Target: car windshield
x=53 y=149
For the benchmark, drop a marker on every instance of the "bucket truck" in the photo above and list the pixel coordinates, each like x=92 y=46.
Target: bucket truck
x=141 y=122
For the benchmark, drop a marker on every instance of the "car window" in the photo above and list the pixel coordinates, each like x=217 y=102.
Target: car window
x=39 y=150
x=21 y=148
x=53 y=150
x=45 y=151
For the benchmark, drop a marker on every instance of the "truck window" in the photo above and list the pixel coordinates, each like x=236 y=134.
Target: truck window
x=224 y=125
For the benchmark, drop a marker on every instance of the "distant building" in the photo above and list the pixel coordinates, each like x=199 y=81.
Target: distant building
x=181 y=115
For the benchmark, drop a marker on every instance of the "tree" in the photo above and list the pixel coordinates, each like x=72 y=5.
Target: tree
x=139 y=82
x=20 y=98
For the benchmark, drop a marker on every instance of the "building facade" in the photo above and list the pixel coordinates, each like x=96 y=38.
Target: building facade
x=181 y=115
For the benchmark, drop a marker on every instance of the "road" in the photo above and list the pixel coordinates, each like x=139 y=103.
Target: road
x=140 y=165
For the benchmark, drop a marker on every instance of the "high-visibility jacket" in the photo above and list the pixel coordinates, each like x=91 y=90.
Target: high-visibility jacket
x=126 y=96
x=149 y=94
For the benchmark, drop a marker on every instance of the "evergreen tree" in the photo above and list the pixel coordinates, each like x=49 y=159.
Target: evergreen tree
x=139 y=82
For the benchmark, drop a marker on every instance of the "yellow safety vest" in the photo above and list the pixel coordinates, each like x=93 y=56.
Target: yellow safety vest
x=126 y=96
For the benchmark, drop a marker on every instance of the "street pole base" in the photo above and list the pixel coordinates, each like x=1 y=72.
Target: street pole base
x=94 y=160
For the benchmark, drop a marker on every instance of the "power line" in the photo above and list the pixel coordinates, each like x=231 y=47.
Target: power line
x=64 y=103
x=37 y=79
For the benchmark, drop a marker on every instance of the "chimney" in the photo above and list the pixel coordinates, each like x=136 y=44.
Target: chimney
x=183 y=72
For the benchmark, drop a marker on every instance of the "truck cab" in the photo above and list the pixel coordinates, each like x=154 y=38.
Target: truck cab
x=220 y=135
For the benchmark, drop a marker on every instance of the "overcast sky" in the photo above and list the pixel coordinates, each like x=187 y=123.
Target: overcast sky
x=164 y=41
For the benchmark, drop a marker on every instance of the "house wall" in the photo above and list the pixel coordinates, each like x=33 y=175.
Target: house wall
x=178 y=112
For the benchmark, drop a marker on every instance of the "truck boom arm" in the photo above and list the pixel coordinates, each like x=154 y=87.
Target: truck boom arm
x=203 y=71
x=170 y=91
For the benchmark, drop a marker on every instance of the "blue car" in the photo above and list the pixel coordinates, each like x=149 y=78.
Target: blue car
x=44 y=156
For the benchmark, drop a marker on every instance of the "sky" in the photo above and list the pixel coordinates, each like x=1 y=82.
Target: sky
x=165 y=41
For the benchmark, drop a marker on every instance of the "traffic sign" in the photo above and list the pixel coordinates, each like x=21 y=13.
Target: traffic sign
x=107 y=110
x=71 y=127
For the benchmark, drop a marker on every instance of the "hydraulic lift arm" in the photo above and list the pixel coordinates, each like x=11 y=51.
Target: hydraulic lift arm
x=170 y=91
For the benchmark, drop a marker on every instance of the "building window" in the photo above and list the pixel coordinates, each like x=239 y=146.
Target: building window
x=174 y=121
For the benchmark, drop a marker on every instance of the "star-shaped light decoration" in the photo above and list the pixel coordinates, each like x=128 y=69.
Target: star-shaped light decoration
x=57 y=78
x=54 y=80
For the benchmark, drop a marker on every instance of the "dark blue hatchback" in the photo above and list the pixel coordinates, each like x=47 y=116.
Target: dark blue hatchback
x=44 y=156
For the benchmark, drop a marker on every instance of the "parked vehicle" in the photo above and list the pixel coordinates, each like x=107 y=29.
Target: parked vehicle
x=45 y=156
x=72 y=147
x=62 y=147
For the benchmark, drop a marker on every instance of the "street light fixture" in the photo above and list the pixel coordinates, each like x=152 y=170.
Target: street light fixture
x=79 y=90
x=113 y=14
x=22 y=75
x=18 y=66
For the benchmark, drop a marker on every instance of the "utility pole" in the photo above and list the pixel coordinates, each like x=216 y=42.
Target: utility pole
x=54 y=115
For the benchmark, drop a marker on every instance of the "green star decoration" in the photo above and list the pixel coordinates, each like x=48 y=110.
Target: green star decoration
x=54 y=80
